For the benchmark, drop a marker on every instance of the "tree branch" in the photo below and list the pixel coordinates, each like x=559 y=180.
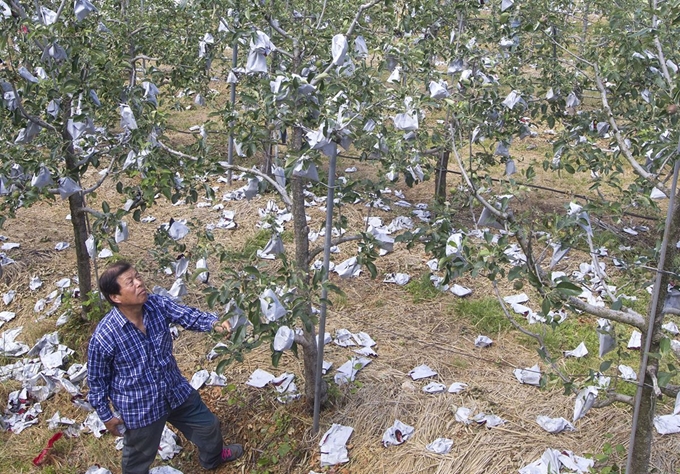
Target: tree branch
x=300 y=340
x=142 y=57
x=659 y=50
x=103 y=178
x=138 y=30
x=341 y=240
x=323 y=10
x=613 y=398
x=362 y=8
x=625 y=150
x=276 y=27
x=18 y=9
x=281 y=190
x=501 y=215
x=60 y=10
x=32 y=118
x=628 y=316
x=671 y=390
x=94 y=212
x=523 y=330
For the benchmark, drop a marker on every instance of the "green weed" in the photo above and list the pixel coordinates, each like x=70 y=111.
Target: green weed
x=421 y=289
x=255 y=243
x=484 y=313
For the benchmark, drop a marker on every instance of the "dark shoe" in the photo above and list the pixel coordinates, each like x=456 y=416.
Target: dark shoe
x=231 y=452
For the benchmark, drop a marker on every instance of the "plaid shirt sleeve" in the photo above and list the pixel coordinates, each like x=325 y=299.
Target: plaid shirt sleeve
x=100 y=374
x=189 y=318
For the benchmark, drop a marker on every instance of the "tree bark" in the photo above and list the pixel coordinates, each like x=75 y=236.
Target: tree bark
x=442 y=168
x=301 y=231
x=266 y=163
x=644 y=431
x=76 y=204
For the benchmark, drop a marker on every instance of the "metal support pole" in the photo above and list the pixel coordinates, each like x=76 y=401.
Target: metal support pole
x=652 y=317
x=230 y=150
x=324 y=291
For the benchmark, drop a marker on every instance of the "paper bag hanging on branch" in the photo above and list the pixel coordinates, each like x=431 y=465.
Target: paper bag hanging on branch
x=82 y=9
x=439 y=90
x=284 y=338
x=204 y=275
x=5 y=11
x=360 y=47
x=260 y=47
x=238 y=316
x=68 y=187
x=339 y=49
x=55 y=52
x=42 y=179
x=272 y=309
x=25 y=73
x=306 y=169
x=26 y=135
x=150 y=92
x=127 y=118
x=53 y=108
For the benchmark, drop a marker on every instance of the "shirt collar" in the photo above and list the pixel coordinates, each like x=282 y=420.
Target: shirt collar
x=119 y=318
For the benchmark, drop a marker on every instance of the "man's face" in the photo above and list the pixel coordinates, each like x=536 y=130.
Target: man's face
x=132 y=289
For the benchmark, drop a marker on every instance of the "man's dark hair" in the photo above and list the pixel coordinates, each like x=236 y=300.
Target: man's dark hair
x=108 y=284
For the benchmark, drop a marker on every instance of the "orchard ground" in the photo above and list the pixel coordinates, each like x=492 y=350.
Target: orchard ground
x=412 y=325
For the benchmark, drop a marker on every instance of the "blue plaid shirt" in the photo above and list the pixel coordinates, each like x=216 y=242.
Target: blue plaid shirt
x=137 y=373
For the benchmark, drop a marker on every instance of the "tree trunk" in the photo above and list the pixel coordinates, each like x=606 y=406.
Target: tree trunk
x=301 y=230
x=82 y=257
x=440 y=185
x=644 y=431
x=76 y=204
x=266 y=164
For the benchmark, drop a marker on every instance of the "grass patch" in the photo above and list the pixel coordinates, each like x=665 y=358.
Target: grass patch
x=253 y=244
x=484 y=313
x=421 y=289
x=565 y=337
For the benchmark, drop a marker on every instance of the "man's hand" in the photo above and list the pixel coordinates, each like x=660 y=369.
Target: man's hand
x=222 y=327
x=113 y=426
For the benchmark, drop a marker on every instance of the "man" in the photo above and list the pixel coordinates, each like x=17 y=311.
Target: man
x=130 y=364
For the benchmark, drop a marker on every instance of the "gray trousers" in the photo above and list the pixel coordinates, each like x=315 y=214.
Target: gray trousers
x=196 y=422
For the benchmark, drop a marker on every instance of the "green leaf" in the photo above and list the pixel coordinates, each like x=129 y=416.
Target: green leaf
x=545 y=306
x=198 y=271
x=568 y=288
x=335 y=289
x=284 y=449
x=222 y=365
x=664 y=378
x=372 y=268
x=515 y=272
x=105 y=207
x=252 y=270
x=212 y=298
x=276 y=357
x=665 y=345
x=604 y=366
